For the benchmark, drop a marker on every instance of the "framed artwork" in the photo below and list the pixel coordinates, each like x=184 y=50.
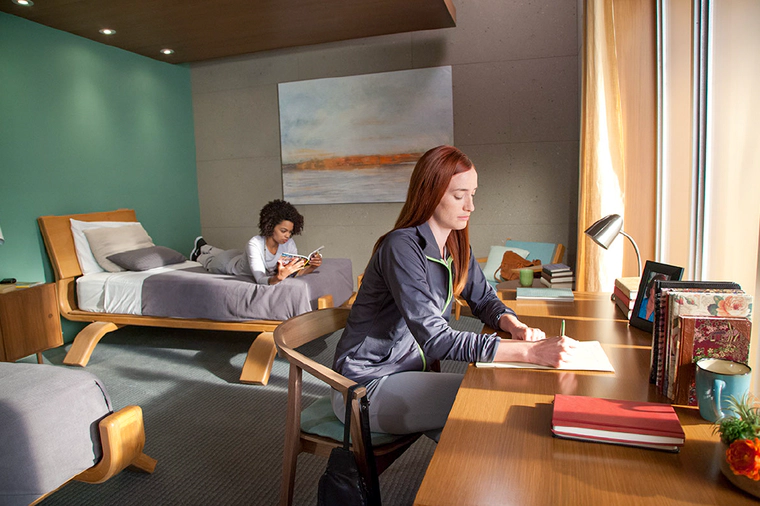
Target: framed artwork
x=356 y=139
x=642 y=315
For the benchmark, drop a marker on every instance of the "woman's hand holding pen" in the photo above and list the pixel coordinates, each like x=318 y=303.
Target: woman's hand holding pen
x=552 y=351
x=538 y=349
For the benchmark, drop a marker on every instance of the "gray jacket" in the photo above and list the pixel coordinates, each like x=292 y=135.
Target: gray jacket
x=399 y=321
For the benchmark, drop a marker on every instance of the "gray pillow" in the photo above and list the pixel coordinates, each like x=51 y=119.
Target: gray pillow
x=146 y=258
x=107 y=241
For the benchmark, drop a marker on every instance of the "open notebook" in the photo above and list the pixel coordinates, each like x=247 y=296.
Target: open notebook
x=589 y=356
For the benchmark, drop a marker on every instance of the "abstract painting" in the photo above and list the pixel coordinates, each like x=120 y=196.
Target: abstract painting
x=356 y=139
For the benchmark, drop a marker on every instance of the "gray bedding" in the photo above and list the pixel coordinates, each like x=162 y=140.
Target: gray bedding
x=48 y=428
x=196 y=293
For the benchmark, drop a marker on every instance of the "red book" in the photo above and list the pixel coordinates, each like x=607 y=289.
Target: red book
x=632 y=423
x=623 y=299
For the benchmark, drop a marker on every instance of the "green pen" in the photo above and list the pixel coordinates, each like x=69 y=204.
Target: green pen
x=562 y=329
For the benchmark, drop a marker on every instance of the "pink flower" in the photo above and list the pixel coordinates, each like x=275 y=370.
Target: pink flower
x=732 y=305
x=743 y=457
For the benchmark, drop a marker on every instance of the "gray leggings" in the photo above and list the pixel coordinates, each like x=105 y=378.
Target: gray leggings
x=220 y=261
x=408 y=402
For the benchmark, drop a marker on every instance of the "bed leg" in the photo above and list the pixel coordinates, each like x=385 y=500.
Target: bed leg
x=258 y=362
x=325 y=301
x=85 y=341
x=143 y=463
x=122 y=436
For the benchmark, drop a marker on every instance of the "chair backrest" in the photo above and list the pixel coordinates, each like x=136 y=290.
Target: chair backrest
x=303 y=329
x=289 y=336
x=547 y=252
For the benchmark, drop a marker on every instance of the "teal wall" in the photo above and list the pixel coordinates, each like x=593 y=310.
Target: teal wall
x=88 y=127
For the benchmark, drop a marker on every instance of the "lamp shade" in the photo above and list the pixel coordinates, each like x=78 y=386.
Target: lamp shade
x=604 y=231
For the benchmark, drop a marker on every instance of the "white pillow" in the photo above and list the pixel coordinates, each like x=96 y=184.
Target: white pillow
x=494 y=260
x=106 y=241
x=87 y=261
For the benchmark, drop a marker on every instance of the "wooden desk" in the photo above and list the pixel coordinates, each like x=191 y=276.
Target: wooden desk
x=497 y=447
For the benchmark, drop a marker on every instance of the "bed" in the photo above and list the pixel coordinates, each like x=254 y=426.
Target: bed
x=178 y=295
x=57 y=424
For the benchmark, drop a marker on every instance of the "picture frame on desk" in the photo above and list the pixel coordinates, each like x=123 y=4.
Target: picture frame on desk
x=642 y=315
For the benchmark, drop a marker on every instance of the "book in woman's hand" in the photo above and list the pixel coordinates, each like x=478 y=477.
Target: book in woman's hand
x=291 y=257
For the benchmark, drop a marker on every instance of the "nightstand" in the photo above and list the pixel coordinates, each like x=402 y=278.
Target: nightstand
x=29 y=321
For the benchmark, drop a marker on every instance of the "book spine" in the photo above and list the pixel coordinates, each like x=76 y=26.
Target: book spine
x=550 y=284
x=606 y=430
x=623 y=308
x=658 y=336
x=623 y=298
x=670 y=447
x=628 y=286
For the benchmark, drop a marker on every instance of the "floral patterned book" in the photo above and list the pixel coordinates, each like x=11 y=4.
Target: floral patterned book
x=723 y=303
x=661 y=320
x=708 y=337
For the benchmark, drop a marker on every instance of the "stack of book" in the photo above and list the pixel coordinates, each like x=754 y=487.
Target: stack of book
x=626 y=290
x=694 y=320
x=557 y=276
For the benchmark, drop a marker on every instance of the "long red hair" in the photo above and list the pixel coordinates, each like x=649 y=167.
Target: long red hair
x=429 y=182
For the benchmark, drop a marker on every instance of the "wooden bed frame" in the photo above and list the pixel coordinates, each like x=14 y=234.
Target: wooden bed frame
x=122 y=439
x=59 y=242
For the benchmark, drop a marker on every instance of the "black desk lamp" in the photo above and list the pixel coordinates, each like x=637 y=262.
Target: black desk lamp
x=604 y=231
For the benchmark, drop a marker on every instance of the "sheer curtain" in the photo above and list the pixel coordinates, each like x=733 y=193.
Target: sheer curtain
x=710 y=162
x=731 y=217
x=697 y=205
x=618 y=136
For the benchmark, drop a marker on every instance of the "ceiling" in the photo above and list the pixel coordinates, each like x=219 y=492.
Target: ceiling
x=200 y=30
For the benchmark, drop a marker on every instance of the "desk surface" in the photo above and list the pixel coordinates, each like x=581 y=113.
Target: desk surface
x=497 y=447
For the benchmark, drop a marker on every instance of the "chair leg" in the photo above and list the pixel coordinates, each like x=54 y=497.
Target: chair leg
x=292 y=438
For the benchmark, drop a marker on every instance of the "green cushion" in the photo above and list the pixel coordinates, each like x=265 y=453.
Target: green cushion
x=319 y=419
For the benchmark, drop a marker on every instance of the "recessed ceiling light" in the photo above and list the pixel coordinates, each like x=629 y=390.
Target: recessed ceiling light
x=167 y=51
x=107 y=31
x=25 y=3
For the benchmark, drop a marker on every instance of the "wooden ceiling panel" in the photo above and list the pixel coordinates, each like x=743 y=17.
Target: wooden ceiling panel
x=200 y=30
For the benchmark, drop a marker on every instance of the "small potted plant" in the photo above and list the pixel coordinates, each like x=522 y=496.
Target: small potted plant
x=740 y=435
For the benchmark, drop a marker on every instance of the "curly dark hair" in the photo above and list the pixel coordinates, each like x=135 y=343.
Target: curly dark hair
x=276 y=212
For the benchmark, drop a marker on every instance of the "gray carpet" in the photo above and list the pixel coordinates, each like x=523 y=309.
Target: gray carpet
x=217 y=441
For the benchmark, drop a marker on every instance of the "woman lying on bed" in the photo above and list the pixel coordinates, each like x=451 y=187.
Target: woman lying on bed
x=262 y=258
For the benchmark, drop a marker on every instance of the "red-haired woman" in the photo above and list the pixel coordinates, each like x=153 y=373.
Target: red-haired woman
x=398 y=324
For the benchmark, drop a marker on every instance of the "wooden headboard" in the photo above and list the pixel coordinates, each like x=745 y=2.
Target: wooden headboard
x=56 y=232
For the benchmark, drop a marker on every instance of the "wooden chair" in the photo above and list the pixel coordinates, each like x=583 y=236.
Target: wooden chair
x=289 y=336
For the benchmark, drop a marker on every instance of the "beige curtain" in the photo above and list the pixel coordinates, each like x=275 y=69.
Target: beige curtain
x=618 y=137
x=732 y=166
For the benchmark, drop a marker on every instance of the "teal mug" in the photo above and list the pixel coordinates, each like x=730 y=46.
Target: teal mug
x=717 y=380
